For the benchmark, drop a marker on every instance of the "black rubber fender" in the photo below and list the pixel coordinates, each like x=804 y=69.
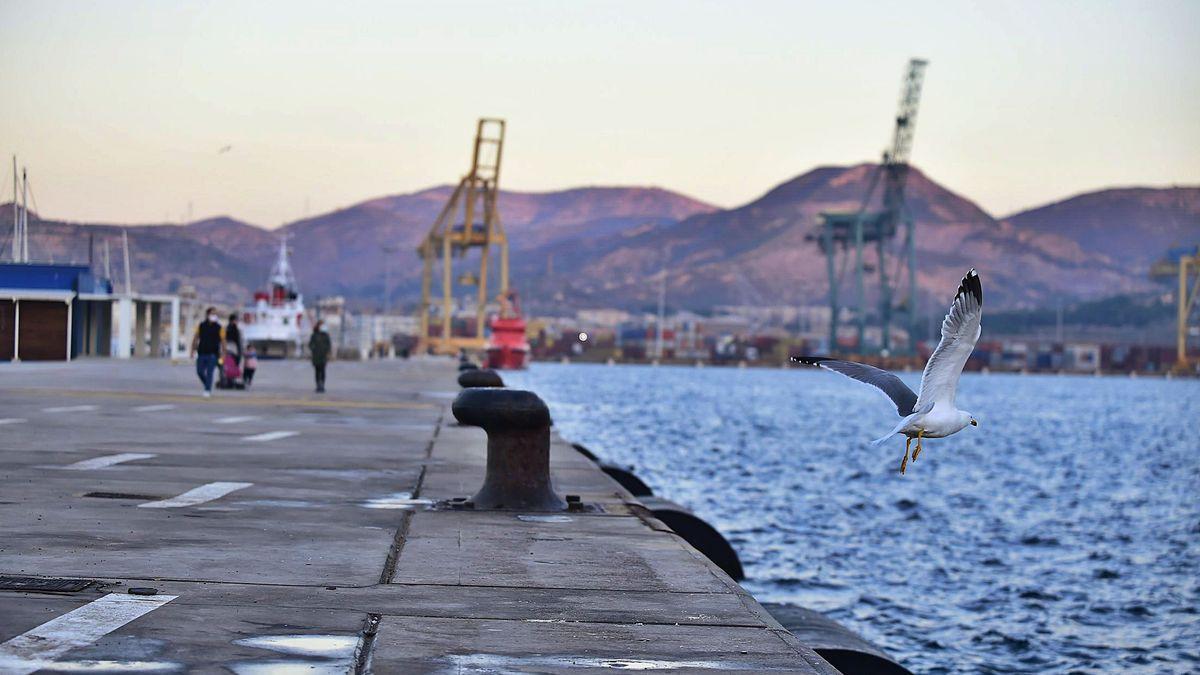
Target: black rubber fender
x=844 y=649
x=702 y=536
x=581 y=449
x=628 y=480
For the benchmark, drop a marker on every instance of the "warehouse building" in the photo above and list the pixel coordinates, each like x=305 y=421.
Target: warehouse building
x=60 y=312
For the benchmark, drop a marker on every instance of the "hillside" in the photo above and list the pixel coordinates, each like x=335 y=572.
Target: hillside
x=758 y=253
x=1132 y=226
x=344 y=251
x=162 y=257
x=603 y=246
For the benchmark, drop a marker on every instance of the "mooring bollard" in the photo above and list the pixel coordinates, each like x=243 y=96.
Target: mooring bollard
x=518 y=448
x=480 y=377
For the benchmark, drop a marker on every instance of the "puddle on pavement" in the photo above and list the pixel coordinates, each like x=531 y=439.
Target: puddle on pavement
x=320 y=646
x=398 y=500
x=544 y=519
x=329 y=654
x=107 y=666
x=283 y=667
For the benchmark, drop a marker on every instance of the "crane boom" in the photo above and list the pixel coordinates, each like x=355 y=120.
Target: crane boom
x=906 y=117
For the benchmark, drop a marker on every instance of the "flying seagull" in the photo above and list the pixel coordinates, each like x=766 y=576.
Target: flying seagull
x=932 y=413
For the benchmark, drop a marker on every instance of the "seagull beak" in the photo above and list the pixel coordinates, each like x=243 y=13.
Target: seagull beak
x=974 y=423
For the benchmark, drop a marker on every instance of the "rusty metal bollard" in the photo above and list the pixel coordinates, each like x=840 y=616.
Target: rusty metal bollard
x=518 y=448
x=480 y=377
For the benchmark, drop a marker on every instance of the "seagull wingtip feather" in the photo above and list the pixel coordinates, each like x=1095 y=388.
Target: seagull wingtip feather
x=971 y=284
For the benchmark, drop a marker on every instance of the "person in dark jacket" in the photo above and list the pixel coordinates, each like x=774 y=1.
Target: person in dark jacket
x=319 y=348
x=208 y=344
x=233 y=339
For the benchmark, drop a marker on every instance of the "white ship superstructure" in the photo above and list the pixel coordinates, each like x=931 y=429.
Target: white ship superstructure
x=276 y=324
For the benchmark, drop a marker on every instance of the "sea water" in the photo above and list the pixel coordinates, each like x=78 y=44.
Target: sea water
x=1062 y=534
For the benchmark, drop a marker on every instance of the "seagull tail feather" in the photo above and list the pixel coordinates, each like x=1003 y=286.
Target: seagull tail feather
x=895 y=430
x=880 y=441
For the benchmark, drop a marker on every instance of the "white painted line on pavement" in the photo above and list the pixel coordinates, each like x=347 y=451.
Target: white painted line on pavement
x=154 y=408
x=12 y=420
x=236 y=419
x=107 y=460
x=38 y=648
x=271 y=436
x=69 y=408
x=199 y=495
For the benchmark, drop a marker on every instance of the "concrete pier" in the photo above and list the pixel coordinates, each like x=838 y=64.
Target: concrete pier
x=276 y=528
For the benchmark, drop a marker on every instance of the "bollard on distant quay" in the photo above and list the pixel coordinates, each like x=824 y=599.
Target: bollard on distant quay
x=518 y=448
x=479 y=377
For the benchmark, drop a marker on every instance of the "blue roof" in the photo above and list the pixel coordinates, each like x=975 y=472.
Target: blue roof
x=39 y=276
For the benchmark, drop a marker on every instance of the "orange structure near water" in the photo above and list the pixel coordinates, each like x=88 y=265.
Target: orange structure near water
x=507 y=347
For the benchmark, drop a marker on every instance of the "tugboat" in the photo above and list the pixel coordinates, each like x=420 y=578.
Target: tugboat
x=276 y=323
x=507 y=348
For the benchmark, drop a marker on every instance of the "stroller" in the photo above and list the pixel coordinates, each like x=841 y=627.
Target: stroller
x=231 y=373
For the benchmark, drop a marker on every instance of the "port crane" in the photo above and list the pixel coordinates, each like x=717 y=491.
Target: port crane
x=841 y=233
x=469 y=220
x=1181 y=264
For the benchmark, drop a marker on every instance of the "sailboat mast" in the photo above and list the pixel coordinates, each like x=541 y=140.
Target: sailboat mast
x=16 y=242
x=24 y=215
x=125 y=245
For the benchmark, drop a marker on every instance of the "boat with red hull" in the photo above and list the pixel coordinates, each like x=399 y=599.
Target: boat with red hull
x=507 y=348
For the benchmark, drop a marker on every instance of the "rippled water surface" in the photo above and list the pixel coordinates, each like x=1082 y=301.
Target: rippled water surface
x=1061 y=535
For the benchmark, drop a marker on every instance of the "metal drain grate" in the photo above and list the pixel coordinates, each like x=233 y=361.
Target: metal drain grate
x=121 y=495
x=43 y=585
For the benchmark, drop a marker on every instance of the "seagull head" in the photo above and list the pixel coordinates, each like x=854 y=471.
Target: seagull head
x=974 y=422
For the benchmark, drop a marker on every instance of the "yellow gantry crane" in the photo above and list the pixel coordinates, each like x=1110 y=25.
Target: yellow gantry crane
x=1185 y=301
x=1181 y=264
x=475 y=199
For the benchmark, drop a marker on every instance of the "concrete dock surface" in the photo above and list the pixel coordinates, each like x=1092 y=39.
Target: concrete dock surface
x=279 y=530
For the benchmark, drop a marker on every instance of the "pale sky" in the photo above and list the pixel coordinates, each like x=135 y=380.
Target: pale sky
x=119 y=109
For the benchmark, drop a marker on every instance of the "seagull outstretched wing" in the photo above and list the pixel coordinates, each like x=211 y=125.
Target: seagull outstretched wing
x=960 y=332
x=889 y=384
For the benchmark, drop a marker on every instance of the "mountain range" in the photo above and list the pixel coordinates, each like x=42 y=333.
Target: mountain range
x=606 y=246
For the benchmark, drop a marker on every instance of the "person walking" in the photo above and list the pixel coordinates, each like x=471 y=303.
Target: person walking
x=318 y=349
x=208 y=344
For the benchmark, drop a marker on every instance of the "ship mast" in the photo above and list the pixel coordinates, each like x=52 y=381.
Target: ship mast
x=281 y=274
